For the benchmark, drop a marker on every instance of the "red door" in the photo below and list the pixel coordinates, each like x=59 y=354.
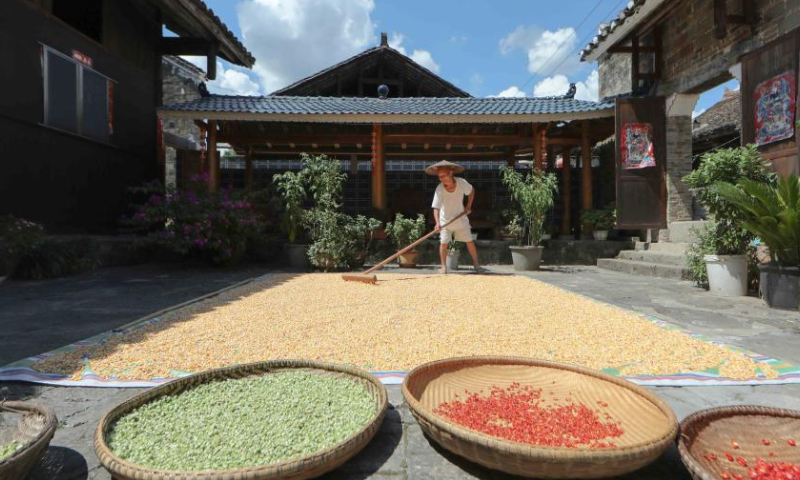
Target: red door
x=641 y=163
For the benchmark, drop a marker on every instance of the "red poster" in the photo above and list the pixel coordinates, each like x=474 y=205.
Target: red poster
x=637 y=146
x=774 y=103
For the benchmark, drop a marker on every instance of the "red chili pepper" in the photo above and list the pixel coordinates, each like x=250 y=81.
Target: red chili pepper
x=735 y=445
x=738 y=476
x=725 y=475
x=791 y=442
x=729 y=456
x=741 y=461
x=765 y=441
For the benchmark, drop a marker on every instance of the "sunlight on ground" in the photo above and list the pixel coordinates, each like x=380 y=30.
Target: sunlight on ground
x=404 y=321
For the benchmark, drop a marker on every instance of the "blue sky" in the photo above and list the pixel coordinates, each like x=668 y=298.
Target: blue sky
x=486 y=47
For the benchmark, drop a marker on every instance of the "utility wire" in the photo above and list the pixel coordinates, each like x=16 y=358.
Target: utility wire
x=581 y=42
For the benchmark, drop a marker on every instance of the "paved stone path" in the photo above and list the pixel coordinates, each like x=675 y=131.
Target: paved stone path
x=400 y=450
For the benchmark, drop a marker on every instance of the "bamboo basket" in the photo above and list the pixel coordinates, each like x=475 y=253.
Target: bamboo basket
x=650 y=425
x=713 y=430
x=34 y=430
x=297 y=469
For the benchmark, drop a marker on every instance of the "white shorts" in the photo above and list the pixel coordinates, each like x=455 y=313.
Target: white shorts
x=461 y=234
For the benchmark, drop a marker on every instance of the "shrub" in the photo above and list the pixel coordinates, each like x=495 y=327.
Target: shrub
x=770 y=212
x=725 y=236
x=404 y=231
x=291 y=187
x=602 y=219
x=16 y=236
x=55 y=257
x=214 y=226
x=534 y=194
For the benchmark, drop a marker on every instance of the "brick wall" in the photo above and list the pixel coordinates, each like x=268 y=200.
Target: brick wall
x=679 y=164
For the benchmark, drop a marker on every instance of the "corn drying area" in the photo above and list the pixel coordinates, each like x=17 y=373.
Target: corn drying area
x=402 y=322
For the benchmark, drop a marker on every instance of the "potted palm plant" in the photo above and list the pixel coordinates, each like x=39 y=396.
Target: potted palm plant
x=404 y=231
x=534 y=194
x=726 y=245
x=772 y=213
x=601 y=221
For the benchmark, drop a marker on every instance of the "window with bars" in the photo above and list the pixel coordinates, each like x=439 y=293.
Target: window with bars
x=77 y=98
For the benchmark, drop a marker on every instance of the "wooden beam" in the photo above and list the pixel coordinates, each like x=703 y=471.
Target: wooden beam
x=564 y=141
x=248 y=170
x=389 y=139
x=378 y=186
x=626 y=49
x=183 y=46
x=566 y=193
x=635 y=63
x=213 y=158
x=586 y=160
x=537 y=146
x=720 y=19
x=211 y=61
x=400 y=154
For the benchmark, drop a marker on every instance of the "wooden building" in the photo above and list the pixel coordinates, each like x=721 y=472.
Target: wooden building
x=658 y=56
x=417 y=118
x=78 y=104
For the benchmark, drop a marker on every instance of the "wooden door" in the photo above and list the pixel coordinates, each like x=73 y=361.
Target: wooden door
x=641 y=163
x=760 y=68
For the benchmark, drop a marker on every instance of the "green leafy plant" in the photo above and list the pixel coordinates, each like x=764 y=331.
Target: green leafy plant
x=725 y=235
x=515 y=229
x=454 y=248
x=534 y=193
x=404 y=231
x=601 y=219
x=770 y=212
x=16 y=237
x=291 y=186
x=56 y=257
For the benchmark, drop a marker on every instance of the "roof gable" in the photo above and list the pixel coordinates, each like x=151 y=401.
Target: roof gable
x=360 y=76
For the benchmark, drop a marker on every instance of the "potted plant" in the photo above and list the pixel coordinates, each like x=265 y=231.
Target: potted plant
x=363 y=230
x=724 y=246
x=291 y=186
x=601 y=221
x=404 y=231
x=534 y=194
x=772 y=213
x=454 y=250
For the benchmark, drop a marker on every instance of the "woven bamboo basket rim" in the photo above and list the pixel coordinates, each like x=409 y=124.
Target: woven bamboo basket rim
x=40 y=441
x=532 y=451
x=290 y=468
x=709 y=415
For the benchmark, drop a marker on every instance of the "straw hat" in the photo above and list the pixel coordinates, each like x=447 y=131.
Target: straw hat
x=432 y=169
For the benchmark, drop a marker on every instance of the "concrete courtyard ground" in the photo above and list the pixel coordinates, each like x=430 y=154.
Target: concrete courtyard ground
x=37 y=317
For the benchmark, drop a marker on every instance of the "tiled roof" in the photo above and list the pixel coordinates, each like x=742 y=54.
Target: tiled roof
x=389 y=106
x=226 y=31
x=722 y=117
x=607 y=29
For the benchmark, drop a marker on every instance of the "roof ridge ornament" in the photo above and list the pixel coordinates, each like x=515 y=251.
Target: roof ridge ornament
x=384 y=39
x=571 y=92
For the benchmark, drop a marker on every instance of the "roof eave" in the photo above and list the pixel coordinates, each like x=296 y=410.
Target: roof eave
x=620 y=33
x=393 y=118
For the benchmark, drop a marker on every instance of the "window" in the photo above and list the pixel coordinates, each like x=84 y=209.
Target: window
x=86 y=16
x=77 y=99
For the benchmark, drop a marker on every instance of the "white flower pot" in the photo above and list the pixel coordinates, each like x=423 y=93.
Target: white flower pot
x=727 y=275
x=453 y=261
x=600 y=235
x=526 y=258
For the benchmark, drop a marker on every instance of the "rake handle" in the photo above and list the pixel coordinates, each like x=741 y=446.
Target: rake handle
x=410 y=247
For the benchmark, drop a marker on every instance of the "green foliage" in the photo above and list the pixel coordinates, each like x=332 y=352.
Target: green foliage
x=534 y=193
x=338 y=240
x=404 y=231
x=714 y=239
x=215 y=226
x=291 y=186
x=770 y=212
x=454 y=247
x=514 y=228
x=602 y=219
x=55 y=257
x=16 y=237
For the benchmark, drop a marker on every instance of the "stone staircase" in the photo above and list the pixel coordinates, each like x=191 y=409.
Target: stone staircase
x=662 y=259
x=665 y=260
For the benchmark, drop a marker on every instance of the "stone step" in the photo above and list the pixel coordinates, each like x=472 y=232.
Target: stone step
x=646 y=269
x=649 y=256
x=665 y=247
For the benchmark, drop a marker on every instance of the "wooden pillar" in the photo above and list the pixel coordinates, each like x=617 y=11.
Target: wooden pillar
x=213 y=158
x=566 y=192
x=378 y=169
x=537 y=146
x=248 y=170
x=586 y=160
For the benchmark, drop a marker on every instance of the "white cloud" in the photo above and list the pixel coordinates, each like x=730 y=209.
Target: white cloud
x=423 y=57
x=229 y=81
x=292 y=39
x=559 y=85
x=456 y=39
x=697 y=113
x=549 y=52
x=512 y=91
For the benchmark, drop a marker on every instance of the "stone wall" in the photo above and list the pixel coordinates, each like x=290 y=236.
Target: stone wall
x=614 y=75
x=180 y=83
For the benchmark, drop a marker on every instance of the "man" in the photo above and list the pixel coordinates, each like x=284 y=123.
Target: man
x=448 y=203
